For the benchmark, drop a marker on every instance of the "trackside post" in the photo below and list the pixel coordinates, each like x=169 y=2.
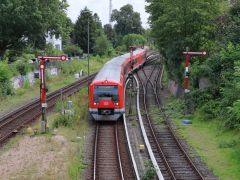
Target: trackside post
x=43 y=87
x=188 y=57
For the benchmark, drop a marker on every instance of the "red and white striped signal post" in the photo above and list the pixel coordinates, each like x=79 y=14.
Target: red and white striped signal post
x=187 y=73
x=43 y=88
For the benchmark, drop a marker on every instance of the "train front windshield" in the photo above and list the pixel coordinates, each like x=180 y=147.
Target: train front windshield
x=102 y=92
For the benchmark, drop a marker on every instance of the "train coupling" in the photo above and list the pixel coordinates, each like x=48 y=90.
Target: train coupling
x=106 y=112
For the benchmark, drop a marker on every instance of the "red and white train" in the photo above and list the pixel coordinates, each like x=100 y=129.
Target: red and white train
x=106 y=92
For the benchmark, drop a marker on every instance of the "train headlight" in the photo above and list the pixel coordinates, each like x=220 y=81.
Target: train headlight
x=115 y=104
x=95 y=103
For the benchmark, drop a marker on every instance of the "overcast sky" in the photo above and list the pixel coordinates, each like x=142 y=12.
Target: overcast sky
x=101 y=7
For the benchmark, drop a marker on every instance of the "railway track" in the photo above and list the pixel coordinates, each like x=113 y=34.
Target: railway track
x=12 y=122
x=171 y=158
x=111 y=160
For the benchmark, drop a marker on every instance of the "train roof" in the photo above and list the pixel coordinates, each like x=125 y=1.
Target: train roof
x=112 y=69
x=109 y=72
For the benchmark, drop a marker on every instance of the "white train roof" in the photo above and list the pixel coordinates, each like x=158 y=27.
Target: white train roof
x=111 y=70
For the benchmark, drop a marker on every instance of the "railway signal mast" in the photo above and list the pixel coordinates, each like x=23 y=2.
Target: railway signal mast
x=43 y=87
x=187 y=58
x=187 y=73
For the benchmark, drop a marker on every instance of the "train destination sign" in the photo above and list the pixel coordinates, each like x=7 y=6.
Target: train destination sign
x=203 y=53
x=62 y=58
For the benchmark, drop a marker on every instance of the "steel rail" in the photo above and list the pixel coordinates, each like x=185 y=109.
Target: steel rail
x=118 y=151
x=155 y=164
x=173 y=134
x=15 y=115
x=169 y=127
x=151 y=128
x=107 y=155
x=136 y=173
x=95 y=154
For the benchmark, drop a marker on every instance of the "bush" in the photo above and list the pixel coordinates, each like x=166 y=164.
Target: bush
x=133 y=40
x=72 y=67
x=20 y=91
x=23 y=67
x=102 y=45
x=51 y=51
x=111 y=53
x=25 y=57
x=150 y=171
x=5 y=85
x=72 y=50
x=13 y=69
x=26 y=85
x=6 y=89
x=63 y=120
x=5 y=74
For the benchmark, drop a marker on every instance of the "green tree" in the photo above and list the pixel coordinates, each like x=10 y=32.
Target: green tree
x=127 y=21
x=110 y=33
x=23 y=21
x=102 y=45
x=133 y=40
x=81 y=30
x=51 y=51
x=68 y=32
x=97 y=20
x=180 y=24
x=231 y=29
x=72 y=50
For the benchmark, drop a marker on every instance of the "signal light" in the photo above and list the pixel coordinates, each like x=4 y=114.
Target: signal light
x=47 y=88
x=47 y=62
x=187 y=73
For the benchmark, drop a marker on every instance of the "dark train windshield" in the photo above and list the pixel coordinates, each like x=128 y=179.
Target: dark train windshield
x=105 y=92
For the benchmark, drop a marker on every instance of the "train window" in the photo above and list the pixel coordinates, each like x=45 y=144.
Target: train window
x=106 y=92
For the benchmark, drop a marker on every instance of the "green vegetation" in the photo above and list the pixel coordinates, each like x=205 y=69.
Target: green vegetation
x=74 y=128
x=210 y=25
x=202 y=25
x=31 y=39
x=102 y=46
x=27 y=92
x=217 y=146
x=150 y=171
x=180 y=24
x=72 y=50
x=77 y=123
x=5 y=75
x=81 y=30
x=127 y=21
x=134 y=123
x=214 y=133
x=25 y=22
x=133 y=39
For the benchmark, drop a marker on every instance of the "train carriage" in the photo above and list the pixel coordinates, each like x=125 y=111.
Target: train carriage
x=106 y=92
